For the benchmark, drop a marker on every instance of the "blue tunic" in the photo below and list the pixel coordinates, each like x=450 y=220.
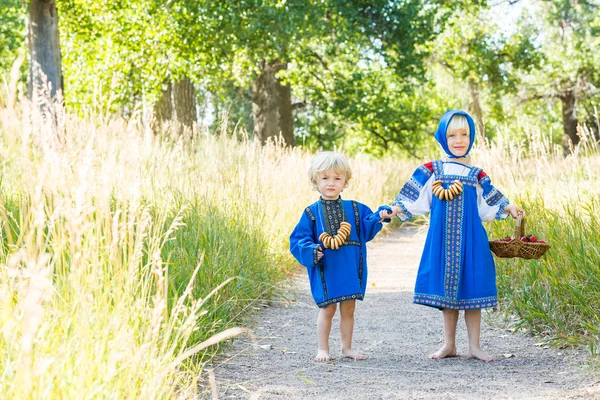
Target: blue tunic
x=457 y=269
x=341 y=274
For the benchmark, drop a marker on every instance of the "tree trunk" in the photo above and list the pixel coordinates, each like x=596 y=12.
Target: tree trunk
x=184 y=105
x=163 y=108
x=44 y=51
x=177 y=105
x=477 y=107
x=286 y=119
x=272 y=105
x=569 y=116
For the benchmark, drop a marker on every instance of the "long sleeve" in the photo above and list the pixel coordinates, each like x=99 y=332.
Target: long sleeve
x=490 y=201
x=303 y=242
x=371 y=224
x=415 y=196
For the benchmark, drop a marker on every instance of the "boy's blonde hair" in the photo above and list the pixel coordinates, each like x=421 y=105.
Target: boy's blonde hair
x=327 y=160
x=458 y=121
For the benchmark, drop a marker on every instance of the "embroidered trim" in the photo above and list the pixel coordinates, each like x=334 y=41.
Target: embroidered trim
x=502 y=204
x=316 y=255
x=310 y=214
x=333 y=214
x=410 y=191
x=453 y=235
x=475 y=172
x=407 y=214
x=438 y=168
x=442 y=302
x=491 y=195
x=322 y=272
x=360 y=251
x=325 y=303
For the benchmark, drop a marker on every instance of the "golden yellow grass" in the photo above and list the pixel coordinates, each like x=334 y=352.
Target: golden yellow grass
x=91 y=204
x=96 y=295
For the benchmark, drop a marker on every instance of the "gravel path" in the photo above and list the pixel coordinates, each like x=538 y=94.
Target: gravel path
x=397 y=336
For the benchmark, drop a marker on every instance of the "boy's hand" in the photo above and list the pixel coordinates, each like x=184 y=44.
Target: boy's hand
x=385 y=214
x=320 y=253
x=514 y=210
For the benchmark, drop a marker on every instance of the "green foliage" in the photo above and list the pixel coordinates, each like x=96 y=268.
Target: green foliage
x=364 y=76
x=12 y=32
x=569 y=47
x=368 y=57
x=116 y=55
x=479 y=57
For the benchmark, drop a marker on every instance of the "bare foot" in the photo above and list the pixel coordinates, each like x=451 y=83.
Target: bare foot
x=322 y=355
x=444 y=352
x=352 y=354
x=480 y=355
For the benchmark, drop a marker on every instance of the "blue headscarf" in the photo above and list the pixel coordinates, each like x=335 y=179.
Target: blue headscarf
x=440 y=134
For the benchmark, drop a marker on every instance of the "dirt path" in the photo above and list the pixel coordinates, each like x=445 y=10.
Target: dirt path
x=397 y=336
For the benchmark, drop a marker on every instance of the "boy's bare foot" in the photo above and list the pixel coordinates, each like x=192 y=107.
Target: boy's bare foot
x=352 y=354
x=480 y=355
x=322 y=355
x=444 y=352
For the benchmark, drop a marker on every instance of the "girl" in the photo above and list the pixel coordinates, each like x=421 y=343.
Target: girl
x=457 y=270
x=330 y=241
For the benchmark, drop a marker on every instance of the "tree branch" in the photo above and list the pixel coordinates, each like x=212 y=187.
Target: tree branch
x=539 y=97
x=299 y=105
x=321 y=60
x=317 y=77
x=380 y=136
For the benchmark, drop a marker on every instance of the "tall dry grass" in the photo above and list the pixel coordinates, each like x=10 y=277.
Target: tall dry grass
x=123 y=252
x=558 y=296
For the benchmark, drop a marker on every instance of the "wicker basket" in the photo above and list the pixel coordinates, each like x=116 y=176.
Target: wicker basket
x=517 y=248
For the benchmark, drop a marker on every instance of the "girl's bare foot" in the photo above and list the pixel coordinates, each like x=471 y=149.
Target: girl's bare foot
x=322 y=355
x=444 y=352
x=480 y=355
x=352 y=354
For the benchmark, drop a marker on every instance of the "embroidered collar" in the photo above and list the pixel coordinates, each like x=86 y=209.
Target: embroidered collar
x=333 y=214
x=337 y=201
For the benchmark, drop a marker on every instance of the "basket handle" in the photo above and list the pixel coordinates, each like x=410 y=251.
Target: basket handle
x=520 y=227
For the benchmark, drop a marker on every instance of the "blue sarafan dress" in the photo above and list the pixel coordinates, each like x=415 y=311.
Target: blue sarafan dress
x=341 y=274
x=457 y=270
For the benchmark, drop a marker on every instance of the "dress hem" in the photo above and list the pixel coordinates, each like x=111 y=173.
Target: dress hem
x=441 y=303
x=340 y=299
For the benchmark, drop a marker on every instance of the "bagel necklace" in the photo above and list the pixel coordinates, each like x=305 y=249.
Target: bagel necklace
x=336 y=241
x=453 y=190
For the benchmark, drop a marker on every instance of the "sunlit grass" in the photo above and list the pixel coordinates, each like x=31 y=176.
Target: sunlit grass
x=114 y=240
x=558 y=296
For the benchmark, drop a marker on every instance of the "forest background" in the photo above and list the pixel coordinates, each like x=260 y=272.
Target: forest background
x=154 y=157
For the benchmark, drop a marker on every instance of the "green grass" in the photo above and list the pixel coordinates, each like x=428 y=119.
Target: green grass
x=557 y=296
x=123 y=252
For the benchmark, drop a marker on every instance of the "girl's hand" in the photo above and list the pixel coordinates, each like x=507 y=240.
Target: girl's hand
x=320 y=253
x=514 y=210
